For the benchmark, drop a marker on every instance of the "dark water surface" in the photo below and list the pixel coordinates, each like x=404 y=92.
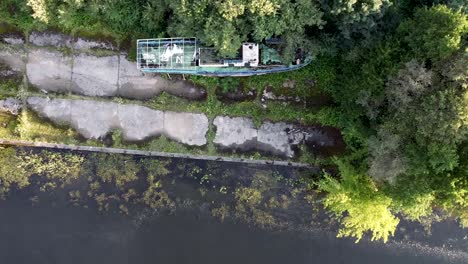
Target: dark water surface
x=50 y=233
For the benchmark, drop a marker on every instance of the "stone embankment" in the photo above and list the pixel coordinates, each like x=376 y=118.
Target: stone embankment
x=5 y=142
x=82 y=72
x=94 y=120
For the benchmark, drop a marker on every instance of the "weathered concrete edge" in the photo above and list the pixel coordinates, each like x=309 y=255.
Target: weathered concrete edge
x=23 y=143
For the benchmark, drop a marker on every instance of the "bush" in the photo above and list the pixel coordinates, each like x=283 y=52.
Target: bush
x=229 y=84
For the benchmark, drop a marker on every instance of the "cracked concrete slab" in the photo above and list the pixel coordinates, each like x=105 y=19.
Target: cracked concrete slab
x=139 y=123
x=278 y=138
x=84 y=74
x=135 y=84
x=13 y=58
x=49 y=70
x=95 y=76
x=187 y=128
x=57 y=110
x=235 y=133
x=95 y=119
x=281 y=139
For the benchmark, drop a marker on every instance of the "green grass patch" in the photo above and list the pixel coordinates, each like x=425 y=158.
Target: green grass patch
x=309 y=81
x=8 y=124
x=9 y=87
x=31 y=127
x=212 y=107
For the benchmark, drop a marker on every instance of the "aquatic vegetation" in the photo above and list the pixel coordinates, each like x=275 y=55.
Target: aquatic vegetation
x=221 y=212
x=18 y=167
x=8 y=125
x=248 y=196
x=75 y=197
x=124 y=209
x=155 y=197
x=155 y=166
x=31 y=127
x=102 y=202
x=223 y=190
x=249 y=207
x=115 y=168
x=59 y=167
x=93 y=188
x=130 y=194
x=11 y=173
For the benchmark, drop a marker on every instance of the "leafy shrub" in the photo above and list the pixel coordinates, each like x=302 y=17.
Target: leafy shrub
x=229 y=84
x=359 y=204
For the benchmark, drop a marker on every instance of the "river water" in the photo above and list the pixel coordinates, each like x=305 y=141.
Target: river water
x=57 y=233
x=53 y=230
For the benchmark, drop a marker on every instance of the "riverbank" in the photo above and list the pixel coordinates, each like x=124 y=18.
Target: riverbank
x=55 y=70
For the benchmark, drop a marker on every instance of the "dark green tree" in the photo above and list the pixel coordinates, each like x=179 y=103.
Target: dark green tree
x=441 y=34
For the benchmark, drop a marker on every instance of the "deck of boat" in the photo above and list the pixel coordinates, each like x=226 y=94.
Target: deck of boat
x=170 y=53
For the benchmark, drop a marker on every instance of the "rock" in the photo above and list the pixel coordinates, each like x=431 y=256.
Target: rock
x=235 y=133
x=7 y=73
x=10 y=34
x=49 y=70
x=289 y=84
x=268 y=94
x=10 y=105
x=86 y=44
x=53 y=39
x=13 y=40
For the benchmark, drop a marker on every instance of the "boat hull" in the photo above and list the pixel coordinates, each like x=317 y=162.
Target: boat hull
x=227 y=72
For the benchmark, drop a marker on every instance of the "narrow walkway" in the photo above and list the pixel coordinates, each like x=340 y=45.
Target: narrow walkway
x=86 y=72
x=22 y=143
x=95 y=119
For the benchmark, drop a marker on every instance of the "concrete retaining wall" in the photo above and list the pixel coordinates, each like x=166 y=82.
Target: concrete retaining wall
x=22 y=143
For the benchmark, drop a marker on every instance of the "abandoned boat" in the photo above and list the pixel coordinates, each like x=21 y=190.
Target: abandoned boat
x=189 y=56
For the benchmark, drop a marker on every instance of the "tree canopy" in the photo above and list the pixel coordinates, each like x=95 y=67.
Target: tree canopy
x=395 y=71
